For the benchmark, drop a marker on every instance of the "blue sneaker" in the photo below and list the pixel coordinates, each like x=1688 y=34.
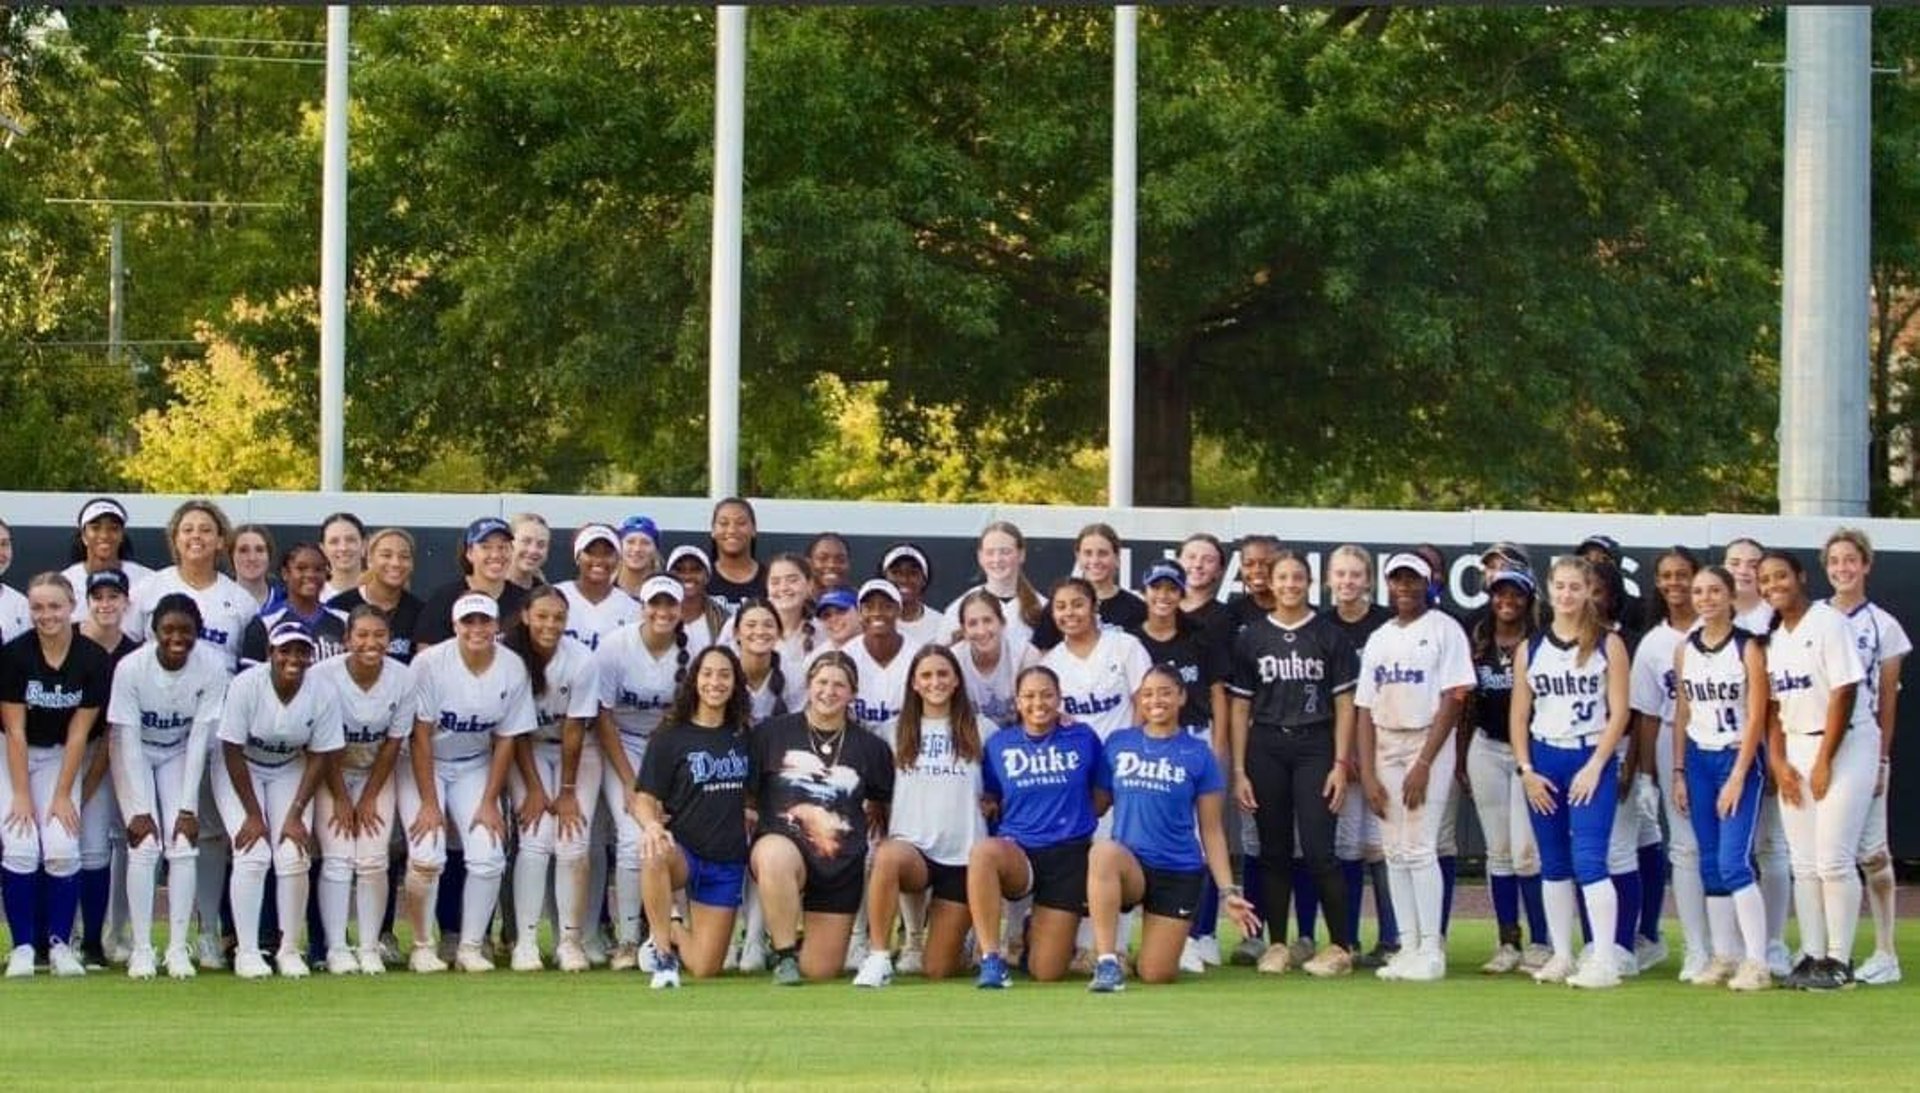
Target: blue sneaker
x=993 y=973
x=1108 y=976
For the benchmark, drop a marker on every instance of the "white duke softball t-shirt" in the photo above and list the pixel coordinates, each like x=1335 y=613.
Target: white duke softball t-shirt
x=936 y=802
x=589 y=623
x=276 y=733
x=1804 y=665
x=1097 y=689
x=573 y=690
x=225 y=609
x=882 y=689
x=167 y=709
x=466 y=710
x=1404 y=670
x=370 y=715
x=636 y=686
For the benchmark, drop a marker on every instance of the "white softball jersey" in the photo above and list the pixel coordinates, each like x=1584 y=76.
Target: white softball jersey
x=1806 y=662
x=573 y=690
x=1715 y=682
x=760 y=700
x=930 y=628
x=992 y=691
x=1016 y=627
x=468 y=710
x=589 y=623
x=1405 y=668
x=14 y=617
x=1650 y=685
x=1877 y=637
x=276 y=733
x=369 y=715
x=1569 y=698
x=1097 y=689
x=882 y=689
x=636 y=686
x=160 y=711
x=76 y=575
x=225 y=610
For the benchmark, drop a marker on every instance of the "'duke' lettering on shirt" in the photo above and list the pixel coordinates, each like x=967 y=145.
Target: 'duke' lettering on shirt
x=453 y=722
x=877 y=712
x=1786 y=681
x=57 y=697
x=1387 y=674
x=1047 y=766
x=717 y=772
x=543 y=719
x=1713 y=690
x=1091 y=704
x=1156 y=775
x=634 y=700
x=1567 y=684
x=1290 y=668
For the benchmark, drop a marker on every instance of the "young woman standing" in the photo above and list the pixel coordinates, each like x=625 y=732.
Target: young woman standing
x=483 y=567
x=596 y=605
x=197 y=536
x=15 y=619
x=107 y=605
x=880 y=655
x=1002 y=556
x=385 y=585
x=831 y=560
x=690 y=802
x=278 y=730
x=1098 y=669
x=1414 y=675
x=736 y=575
x=1203 y=559
x=703 y=615
x=53 y=684
x=1883 y=647
x=1824 y=747
x=532 y=539
x=1569 y=713
x=101 y=542
x=343 y=539
x=820 y=784
x=1719 y=720
x=304 y=569
x=250 y=552
x=775 y=682
x=990 y=657
x=935 y=820
x=1752 y=613
x=1096 y=555
x=905 y=566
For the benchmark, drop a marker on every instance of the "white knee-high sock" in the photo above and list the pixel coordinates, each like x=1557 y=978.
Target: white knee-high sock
x=477 y=900
x=1880 y=885
x=529 y=892
x=1406 y=909
x=1842 y=899
x=183 y=883
x=1750 y=909
x=1724 y=928
x=336 y=893
x=626 y=903
x=1690 y=900
x=291 y=891
x=570 y=905
x=140 y=885
x=1563 y=916
x=248 y=892
x=1810 y=907
x=1429 y=890
x=215 y=858
x=1776 y=892
x=370 y=904
x=1603 y=912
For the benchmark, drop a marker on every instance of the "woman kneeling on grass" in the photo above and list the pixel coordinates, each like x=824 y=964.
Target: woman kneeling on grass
x=821 y=782
x=691 y=807
x=1039 y=776
x=1161 y=779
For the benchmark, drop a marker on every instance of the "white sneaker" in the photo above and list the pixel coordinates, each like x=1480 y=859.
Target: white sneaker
x=66 y=963
x=425 y=961
x=1209 y=948
x=140 y=965
x=1190 y=961
x=291 y=964
x=1505 y=959
x=648 y=957
x=1535 y=956
x=1555 y=970
x=1426 y=967
x=118 y=948
x=1752 y=976
x=626 y=957
x=1692 y=963
x=372 y=962
x=1648 y=954
x=1624 y=962
x=1599 y=971
x=1398 y=965
x=210 y=957
x=666 y=976
x=913 y=961
x=875 y=971
x=526 y=958
x=341 y=961
x=753 y=956
x=470 y=958
x=1879 y=970
x=20 y=962
x=180 y=963
x=857 y=954
x=1719 y=969
x=594 y=945
x=1779 y=961
x=571 y=957
x=251 y=965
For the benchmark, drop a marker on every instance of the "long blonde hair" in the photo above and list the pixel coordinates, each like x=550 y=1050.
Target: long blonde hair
x=1591 y=633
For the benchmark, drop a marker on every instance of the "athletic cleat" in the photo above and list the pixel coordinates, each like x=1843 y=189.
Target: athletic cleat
x=341 y=961
x=753 y=955
x=93 y=955
x=1717 y=972
x=1599 y=971
x=371 y=962
x=1209 y=947
x=1377 y=957
x=390 y=953
x=1397 y=965
x=1301 y=949
x=1693 y=964
x=141 y=965
x=1648 y=953
x=1780 y=963
x=913 y=961
x=1329 y=962
x=1797 y=979
x=1535 y=956
x=210 y=957
x=425 y=961
x=647 y=958
x=875 y=971
x=180 y=963
x=1249 y=951
x=594 y=944
x=1082 y=962
x=64 y=961
x=1190 y=961
x=251 y=965
x=1751 y=976
x=1835 y=974
x=1879 y=970
x=526 y=958
x=570 y=957
x=472 y=959
x=291 y=964
x=857 y=952
x=1426 y=967
x=1555 y=970
x=626 y=957
x=786 y=972
x=666 y=973
x=993 y=973
x=1624 y=962
x=20 y=962
x=1108 y=976
x=1505 y=959
x=1275 y=961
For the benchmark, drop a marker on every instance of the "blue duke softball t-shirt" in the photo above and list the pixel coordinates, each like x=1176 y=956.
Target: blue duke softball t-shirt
x=1156 y=785
x=1045 y=784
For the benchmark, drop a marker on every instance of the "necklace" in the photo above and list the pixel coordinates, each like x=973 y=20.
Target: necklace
x=826 y=745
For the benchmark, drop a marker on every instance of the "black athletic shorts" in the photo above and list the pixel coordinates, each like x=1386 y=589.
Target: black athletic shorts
x=948 y=882
x=1171 y=893
x=838 y=894
x=1060 y=876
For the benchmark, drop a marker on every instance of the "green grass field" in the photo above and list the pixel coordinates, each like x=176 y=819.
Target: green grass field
x=1228 y=1028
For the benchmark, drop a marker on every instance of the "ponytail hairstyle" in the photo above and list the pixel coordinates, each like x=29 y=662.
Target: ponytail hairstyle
x=686 y=692
x=681 y=655
x=1725 y=577
x=520 y=638
x=54 y=580
x=1661 y=612
x=1607 y=578
x=776 y=671
x=176 y=603
x=808 y=628
x=381 y=536
x=1052 y=677
x=1033 y=609
x=963 y=722
x=1587 y=619
x=1792 y=562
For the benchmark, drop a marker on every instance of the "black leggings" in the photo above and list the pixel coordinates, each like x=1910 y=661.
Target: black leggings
x=1288 y=769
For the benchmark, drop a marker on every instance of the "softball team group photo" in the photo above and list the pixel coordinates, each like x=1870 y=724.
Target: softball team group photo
x=809 y=767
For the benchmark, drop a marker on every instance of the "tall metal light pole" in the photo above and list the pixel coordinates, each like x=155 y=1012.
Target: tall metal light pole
x=1120 y=292
x=723 y=320
x=333 y=260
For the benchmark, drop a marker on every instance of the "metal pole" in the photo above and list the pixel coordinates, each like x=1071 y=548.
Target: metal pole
x=116 y=295
x=1120 y=305
x=723 y=331
x=1824 y=299
x=333 y=260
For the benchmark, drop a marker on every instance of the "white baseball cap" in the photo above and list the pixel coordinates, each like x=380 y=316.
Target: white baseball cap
x=903 y=551
x=290 y=630
x=879 y=586
x=1408 y=561
x=102 y=506
x=688 y=550
x=475 y=603
x=591 y=534
x=662 y=585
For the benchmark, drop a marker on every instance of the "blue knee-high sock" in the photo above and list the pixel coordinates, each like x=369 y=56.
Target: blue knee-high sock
x=1449 y=868
x=446 y=904
x=1533 y=898
x=1306 y=900
x=1653 y=889
x=21 y=891
x=1506 y=900
x=1353 y=873
x=316 y=929
x=42 y=915
x=396 y=881
x=1586 y=925
x=1626 y=887
x=270 y=915
x=1206 y=918
x=1255 y=888
x=96 y=887
x=63 y=899
x=1383 y=905
x=227 y=928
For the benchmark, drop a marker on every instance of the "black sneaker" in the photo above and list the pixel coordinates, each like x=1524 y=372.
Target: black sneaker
x=1825 y=976
x=1800 y=977
x=1376 y=957
x=93 y=955
x=1841 y=972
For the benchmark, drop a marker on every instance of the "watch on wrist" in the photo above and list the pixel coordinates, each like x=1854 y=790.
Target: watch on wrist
x=1526 y=769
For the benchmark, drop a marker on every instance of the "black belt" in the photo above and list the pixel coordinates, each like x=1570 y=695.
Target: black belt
x=1296 y=730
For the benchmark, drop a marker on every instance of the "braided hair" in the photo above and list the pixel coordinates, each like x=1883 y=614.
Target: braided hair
x=776 y=672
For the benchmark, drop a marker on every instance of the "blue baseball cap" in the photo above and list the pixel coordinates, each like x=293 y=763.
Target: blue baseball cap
x=1607 y=544
x=289 y=630
x=836 y=599
x=1164 y=571
x=642 y=524
x=1519 y=578
x=106 y=578
x=478 y=531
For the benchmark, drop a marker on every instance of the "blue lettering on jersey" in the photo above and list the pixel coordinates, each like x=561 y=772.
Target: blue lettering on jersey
x=634 y=701
x=453 y=722
x=1393 y=673
x=165 y=722
x=1783 y=682
x=217 y=637
x=1090 y=705
x=705 y=767
x=873 y=713
x=591 y=641
x=545 y=720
